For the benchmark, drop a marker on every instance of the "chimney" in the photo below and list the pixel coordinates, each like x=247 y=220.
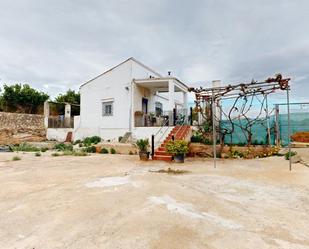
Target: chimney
x=216 y=83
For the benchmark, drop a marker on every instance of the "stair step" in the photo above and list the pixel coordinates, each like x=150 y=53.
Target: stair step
x=162 y=158
x=179 y=133
x=161 y=153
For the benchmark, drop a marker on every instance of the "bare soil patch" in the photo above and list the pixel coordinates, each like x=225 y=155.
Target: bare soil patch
x=114 y=201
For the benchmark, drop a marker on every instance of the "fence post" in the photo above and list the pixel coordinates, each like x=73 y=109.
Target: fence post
x=152 y=146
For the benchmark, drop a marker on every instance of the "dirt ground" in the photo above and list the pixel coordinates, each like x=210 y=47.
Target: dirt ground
x=116 y=201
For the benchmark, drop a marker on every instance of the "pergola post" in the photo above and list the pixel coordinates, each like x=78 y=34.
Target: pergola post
x=278 y=142
x=289 y=125
x=214 y=134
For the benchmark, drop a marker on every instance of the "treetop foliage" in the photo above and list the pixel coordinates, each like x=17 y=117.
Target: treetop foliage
x=21 y=98
x=70 y=96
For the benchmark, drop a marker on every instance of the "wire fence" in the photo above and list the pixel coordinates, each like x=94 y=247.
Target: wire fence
x=278 y=126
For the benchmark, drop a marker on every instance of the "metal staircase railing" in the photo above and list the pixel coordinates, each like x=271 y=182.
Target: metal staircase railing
x=160 y=131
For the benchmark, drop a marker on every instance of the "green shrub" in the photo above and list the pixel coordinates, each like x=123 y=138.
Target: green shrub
x=207 y=141
x=78 y=141
x=237 y=154
x=113 y=151
x=104 y=151
x=67 y=153
x=206 y=127
x=91 y=140
x=80 y=153
x=37 y=153
x=44 y=149
x=177 y=147
x=90 y=149
x=287 y=155
x=16 y=158
x=25 y=147
x=197 y=138
x=71 y=153
x=63 y=147
x=142 y=145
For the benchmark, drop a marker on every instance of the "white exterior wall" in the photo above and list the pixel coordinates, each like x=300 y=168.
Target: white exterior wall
x=147 y=132
x=111 y=85
x=116 y=85
x=59 y=134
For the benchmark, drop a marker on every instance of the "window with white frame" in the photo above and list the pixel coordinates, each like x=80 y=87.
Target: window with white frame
x=107 y=108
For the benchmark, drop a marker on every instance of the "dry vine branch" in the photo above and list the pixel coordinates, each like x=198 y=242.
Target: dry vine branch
x=244 y=93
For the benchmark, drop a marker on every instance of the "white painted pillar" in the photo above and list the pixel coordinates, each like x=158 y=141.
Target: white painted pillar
x=132 y=121
x=171 y=95
x=171 y=101
x=185 y=105
x=46 y=113
x=152 y=101
x=185 y=100
x=67 y=111
x=67 y=115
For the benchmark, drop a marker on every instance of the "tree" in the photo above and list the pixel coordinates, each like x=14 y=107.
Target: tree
x=70 y=97
x=22 y=98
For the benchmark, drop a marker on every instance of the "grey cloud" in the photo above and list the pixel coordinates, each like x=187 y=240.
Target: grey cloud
x=64 y=43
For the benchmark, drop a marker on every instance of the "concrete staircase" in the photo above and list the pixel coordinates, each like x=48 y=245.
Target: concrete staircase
x=179 y=133
x=126 y=137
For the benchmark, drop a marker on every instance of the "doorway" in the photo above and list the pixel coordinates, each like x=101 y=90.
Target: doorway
x=145 y=105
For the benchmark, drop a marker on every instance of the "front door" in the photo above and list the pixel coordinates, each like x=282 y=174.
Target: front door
x=145 y=105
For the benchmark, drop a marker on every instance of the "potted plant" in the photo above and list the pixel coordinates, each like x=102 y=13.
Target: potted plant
x=178 y=148
x=152 y=118
x=142 y=145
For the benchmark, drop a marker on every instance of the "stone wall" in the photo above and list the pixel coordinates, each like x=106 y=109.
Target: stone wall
x=204 y=150
x=18 y=127
x=21 y=121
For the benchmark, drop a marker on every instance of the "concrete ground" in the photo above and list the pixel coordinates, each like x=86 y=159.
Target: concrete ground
x=115 y=201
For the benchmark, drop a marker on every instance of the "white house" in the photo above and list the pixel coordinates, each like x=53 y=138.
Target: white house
x=129 y=98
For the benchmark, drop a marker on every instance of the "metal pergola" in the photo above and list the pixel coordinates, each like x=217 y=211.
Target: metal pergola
x=242 y=91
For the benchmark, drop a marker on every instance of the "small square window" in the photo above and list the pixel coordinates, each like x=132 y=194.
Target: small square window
x=107 y=108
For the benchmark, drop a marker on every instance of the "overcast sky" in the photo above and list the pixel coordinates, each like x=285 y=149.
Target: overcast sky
x=59 y=44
